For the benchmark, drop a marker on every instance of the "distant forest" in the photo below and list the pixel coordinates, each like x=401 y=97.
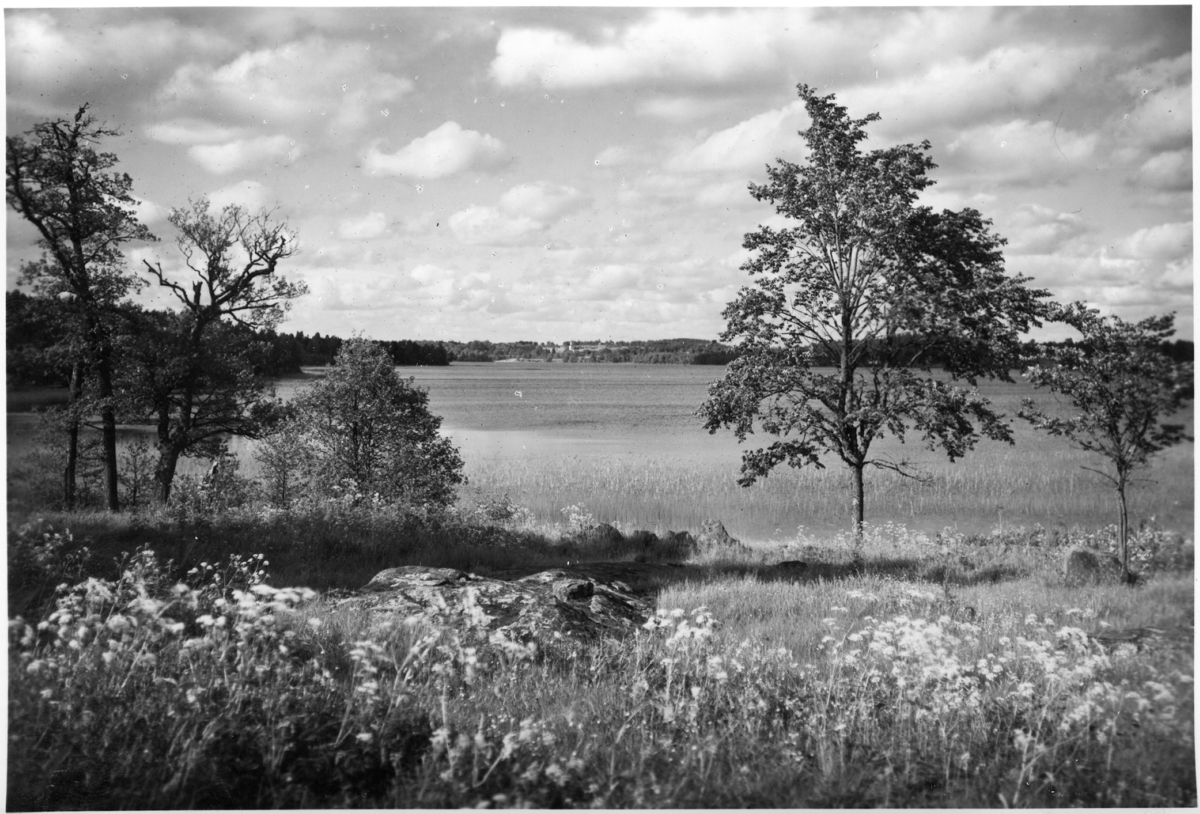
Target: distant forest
x=30 y=328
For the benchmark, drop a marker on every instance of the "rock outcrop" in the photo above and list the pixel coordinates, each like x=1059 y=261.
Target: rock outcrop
x=1083 y=566
x=542 y=607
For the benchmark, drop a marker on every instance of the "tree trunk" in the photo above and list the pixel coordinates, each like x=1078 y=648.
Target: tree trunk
x=858 y=503
x=108 y=421
x=1123 y=528
x=164 y=472
x=69 y=472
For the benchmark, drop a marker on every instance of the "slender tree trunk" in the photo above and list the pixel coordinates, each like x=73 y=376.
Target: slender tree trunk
x=858 y=502
x=1123 y=527
x=108 y=422
x=164 y=472
x=69 y=472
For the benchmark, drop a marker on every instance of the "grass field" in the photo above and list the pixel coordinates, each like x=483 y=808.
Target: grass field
x=939 y=672
x=940 y=662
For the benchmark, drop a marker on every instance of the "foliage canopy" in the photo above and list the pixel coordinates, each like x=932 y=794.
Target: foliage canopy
x=865 y=278
x=1121 y=385
x=366 y=424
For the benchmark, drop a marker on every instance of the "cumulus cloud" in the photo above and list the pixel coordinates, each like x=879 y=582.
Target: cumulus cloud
x=445 y=151
x=1021 y=152
x=1036 y=229
x=250 y=195
x=668 y=44
x=1170 y=171
x=748 y=144
x=54 y=54
x=541 y=200
x=681 y=108
x=189 y=131
x=964 y=89
x=226 y=158
x=368 y=226
x=618 y=156
x=488 y=225
x=305 y=79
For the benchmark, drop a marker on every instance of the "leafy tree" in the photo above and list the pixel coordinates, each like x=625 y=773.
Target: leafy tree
x=60 y=183
x=365 y=423
x=866 y=279
x=1122 y=383
x=199 y=380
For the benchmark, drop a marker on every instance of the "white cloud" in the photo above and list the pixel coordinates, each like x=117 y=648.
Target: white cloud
x=250 y=195
x=617 y=156
x=445 y=151
x=1036 y=229
x=192 y=131
x=226 y=158
x=368 y=226
x=668 y=44
x=681 y=108
x=964 y=89
x=56 y=52
x=293 y=81
x=1021 y=152
x=1170 y=171
x=1163 y=243
x=749 y=144
x=487 y=225
x=541 y=201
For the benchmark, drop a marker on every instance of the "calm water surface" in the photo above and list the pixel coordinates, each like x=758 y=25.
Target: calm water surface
x=538 y=409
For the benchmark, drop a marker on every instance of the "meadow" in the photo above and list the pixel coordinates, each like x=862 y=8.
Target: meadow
x=158 y=660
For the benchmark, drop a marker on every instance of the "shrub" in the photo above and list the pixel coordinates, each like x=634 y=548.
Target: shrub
x=365 y=424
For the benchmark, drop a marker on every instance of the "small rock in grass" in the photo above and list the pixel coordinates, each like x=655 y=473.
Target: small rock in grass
x=714 y=537
x=1083 y=566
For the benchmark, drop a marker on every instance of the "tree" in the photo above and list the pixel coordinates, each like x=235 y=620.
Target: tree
x=199 y=380
x=57 y=181
x=864 y=278
x=1122 y=383
x=365 y=423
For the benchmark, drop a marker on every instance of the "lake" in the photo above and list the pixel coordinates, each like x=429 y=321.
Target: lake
x=623 y=442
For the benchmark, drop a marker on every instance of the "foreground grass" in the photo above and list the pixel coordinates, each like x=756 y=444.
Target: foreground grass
x=928 y=672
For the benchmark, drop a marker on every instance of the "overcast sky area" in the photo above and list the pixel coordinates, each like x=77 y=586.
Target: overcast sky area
x=554 y=174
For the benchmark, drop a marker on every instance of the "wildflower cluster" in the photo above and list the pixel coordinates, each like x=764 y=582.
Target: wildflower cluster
x=578 y=518
x=38 y=554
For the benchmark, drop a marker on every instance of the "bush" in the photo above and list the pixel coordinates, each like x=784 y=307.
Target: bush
x=364 y=424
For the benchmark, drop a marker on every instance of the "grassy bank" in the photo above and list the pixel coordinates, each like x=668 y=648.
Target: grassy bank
x=934 y=671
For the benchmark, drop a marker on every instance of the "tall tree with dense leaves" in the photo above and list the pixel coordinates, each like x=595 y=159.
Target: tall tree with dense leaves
x=1122 y=384
x=864 y=277
x=365 y=423
x=58 y=181
x=205 y=384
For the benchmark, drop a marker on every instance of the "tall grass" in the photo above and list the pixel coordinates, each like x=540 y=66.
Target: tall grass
x=996 y=488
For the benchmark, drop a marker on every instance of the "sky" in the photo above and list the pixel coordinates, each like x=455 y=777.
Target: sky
x=576 y=173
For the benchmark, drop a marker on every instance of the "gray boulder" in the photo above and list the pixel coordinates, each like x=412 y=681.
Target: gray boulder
x=1084 y=566
x=545 y=607
x=603 y=534
x=643 y=537
x=714 y=539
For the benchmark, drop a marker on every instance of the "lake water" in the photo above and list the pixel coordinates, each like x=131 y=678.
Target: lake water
x=624 y=441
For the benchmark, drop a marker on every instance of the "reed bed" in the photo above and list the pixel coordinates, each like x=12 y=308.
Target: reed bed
x=996 y=488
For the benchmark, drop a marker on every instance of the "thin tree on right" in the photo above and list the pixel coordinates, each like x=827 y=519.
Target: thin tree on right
x=1122 y=387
